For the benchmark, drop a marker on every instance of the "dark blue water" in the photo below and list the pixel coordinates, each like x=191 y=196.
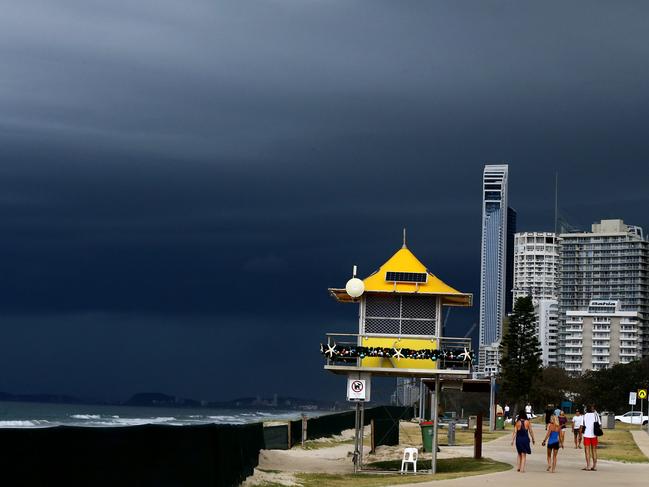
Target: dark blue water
x=41 y=415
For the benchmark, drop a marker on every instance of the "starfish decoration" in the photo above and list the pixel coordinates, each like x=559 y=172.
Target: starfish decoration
x=397 y=353
x=331 y=351
x=466 y=355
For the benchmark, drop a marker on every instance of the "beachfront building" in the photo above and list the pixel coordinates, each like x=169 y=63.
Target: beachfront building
x=536 y=264
x=399 y=329
x=496 y=262
x=608 y=264
x=547 y=328
x=601 y=336
x=399 y=334
x=406 y=392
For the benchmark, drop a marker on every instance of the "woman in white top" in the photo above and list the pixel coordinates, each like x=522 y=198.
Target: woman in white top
x=590 y=439
x=528 y=410
x=577 y=421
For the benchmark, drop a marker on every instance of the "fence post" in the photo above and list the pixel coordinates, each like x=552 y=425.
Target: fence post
x=304 y=421
x=373 y=436
x=477 y=438
x=289 y=434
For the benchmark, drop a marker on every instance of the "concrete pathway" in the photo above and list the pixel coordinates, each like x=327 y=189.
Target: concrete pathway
x=642 y=440
x=569 y=464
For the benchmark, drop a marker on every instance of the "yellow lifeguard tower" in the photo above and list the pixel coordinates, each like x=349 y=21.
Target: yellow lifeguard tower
x=399 y=334
x=400 y=324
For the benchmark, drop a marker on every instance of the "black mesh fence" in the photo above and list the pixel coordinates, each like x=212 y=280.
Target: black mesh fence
x=330 y=424
x=159 y=455
x=386 y=432
x=296 y=432
x=334 y=424
x=276 y=437
x=150 y=455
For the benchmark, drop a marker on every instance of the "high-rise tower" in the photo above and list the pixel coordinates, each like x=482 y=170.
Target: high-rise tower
x=495 y=295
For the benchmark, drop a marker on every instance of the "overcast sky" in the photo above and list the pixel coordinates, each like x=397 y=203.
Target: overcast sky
x=180 y=181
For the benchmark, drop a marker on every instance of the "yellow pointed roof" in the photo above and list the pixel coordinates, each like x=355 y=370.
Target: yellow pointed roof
x=405 y=261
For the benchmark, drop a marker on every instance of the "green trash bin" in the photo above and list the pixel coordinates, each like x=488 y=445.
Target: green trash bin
x=500 y=422
x=427 y=430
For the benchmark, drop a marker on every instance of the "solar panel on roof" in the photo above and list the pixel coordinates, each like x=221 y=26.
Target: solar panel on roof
x=419 y=277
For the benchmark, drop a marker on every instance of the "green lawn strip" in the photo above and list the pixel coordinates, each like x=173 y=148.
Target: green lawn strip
x=465 y=437
x=268 y=484
x=447 y=469
x=619 y=445
x=330 y=442
x=317 y=445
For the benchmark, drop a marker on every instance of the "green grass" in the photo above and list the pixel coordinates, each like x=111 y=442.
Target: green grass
x=318 y=445
x=465 y=437
x=618 y=445
x=269 y=484
x=330 y=442
x=447 y=469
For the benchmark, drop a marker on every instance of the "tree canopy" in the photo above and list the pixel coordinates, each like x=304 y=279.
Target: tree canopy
x=609 y=388
x=520 y=352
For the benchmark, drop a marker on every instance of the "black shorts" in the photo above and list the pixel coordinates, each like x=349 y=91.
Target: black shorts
x=575 y=431
x=553 y=446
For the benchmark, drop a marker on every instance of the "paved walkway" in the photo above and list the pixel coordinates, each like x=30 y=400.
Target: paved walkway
x=569 y=465
x=642 y=440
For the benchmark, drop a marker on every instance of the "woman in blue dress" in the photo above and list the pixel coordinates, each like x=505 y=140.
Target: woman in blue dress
x=522 y=434
x=554 y=438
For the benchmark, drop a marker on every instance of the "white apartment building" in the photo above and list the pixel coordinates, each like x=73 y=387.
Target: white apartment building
x=536 y=268
x=536 y=265
x=489 y=358
x=601 y=336
x=610 y=263
x=406 y=392
x=547 y=329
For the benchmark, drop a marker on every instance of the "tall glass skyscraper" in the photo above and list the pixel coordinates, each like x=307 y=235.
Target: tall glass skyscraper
x=498 y=228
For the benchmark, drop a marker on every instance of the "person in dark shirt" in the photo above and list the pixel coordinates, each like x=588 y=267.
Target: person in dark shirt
x=549 y=411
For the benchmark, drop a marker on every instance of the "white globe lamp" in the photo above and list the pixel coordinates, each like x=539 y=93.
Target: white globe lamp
x=355 y=287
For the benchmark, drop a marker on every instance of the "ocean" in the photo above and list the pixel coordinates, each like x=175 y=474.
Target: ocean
x=43 y=415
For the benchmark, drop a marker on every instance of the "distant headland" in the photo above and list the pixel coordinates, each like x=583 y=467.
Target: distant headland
x=159 y=399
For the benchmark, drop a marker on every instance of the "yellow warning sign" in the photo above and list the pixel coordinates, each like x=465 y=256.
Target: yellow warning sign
x=642 y=393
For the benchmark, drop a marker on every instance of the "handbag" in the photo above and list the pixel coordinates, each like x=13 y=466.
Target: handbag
x=597 y=427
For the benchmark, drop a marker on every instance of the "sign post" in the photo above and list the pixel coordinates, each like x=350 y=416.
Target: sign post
x=642 y=394
x=358 y=391
x=632 y=401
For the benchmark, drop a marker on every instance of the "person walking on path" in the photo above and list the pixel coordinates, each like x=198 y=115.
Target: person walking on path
x=590 y=439
x=554 y=439
x=522 y=433
x=562 y=419
x=577 y=421
x=507 y=413
x=528 y=410
x=549 y=411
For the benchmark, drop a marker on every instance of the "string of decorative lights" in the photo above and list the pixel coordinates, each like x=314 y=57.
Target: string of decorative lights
x=333 y=351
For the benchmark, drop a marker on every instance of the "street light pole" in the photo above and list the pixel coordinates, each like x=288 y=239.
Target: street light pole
x=492 y=400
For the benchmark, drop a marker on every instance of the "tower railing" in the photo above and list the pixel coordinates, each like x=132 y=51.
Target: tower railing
x=348 y=349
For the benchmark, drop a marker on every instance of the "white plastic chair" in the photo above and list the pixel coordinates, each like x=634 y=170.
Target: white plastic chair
x=409 y=456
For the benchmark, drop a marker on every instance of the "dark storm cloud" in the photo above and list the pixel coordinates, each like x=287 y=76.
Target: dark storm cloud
x=212 y=165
